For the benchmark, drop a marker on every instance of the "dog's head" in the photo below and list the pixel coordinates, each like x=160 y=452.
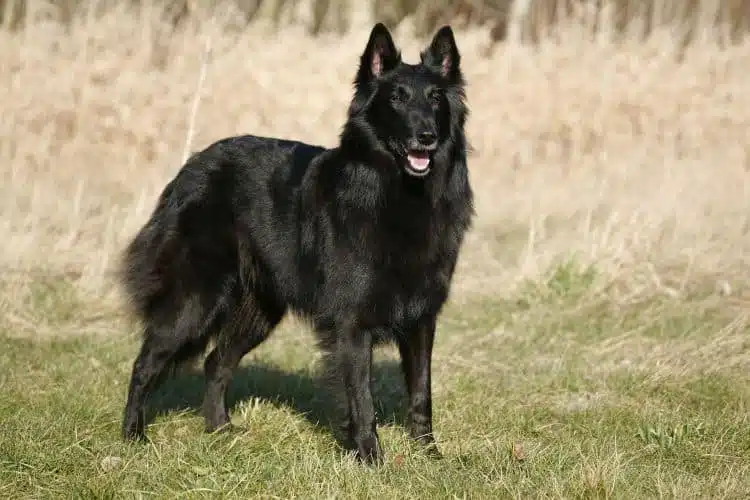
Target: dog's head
x=411 y=109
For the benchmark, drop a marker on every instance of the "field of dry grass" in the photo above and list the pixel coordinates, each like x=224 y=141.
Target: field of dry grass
x=612 y=182
x=619 y=154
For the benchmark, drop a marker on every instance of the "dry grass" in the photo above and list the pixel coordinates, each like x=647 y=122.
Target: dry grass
x=605 y=278
x=540 y=17
x=622 y=155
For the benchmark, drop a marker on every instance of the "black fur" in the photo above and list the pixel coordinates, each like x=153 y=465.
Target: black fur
x=357 y=239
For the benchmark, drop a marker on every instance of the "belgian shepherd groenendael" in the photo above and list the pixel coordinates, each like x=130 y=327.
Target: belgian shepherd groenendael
x=361 y=239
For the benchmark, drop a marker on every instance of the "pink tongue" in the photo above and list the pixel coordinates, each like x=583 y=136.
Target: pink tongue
x=418 y=161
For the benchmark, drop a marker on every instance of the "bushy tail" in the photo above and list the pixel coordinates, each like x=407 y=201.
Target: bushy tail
x=146 y=262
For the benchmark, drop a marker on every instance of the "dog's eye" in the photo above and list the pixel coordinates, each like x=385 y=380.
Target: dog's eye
x=434 y=96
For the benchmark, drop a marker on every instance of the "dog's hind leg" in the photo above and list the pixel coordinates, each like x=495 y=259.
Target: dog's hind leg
x=148 y=367
x=165 y=346
x=248 y=326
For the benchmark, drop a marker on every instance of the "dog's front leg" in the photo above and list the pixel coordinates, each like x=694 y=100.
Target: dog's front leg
x=416 y=357
x=355 y=365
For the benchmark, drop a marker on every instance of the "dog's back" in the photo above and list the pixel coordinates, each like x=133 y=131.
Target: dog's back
x=191 y=243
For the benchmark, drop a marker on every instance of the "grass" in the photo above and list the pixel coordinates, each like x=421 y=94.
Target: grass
x=596 y=342
x=527 y=404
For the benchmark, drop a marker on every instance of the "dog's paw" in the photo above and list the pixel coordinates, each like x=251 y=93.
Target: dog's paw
x=134 y=434
x=221 y=428
x=369 y=450
x=432 y=451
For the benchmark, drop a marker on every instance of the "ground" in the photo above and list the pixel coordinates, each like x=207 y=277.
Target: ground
x=596 y=342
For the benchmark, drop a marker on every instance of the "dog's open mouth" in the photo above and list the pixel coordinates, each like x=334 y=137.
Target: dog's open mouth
x=418 y=162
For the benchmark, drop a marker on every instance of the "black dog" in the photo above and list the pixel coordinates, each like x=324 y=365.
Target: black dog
x=361 y=239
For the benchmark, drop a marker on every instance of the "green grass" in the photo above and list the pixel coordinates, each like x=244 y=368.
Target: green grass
x=560 y=392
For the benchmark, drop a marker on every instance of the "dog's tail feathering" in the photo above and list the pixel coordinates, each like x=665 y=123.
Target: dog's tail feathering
x=147 y=260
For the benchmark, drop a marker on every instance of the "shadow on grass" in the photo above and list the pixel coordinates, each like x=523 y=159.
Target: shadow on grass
x=307 y=395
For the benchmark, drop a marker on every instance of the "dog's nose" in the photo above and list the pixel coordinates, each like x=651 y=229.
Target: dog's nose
x=427 y=138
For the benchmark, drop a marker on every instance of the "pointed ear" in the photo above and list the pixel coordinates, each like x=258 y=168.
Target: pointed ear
x=380 y=55
x=443 y=56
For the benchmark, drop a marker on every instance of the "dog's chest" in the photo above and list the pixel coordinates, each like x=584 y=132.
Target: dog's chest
x=411 y=280
x=409 y=251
